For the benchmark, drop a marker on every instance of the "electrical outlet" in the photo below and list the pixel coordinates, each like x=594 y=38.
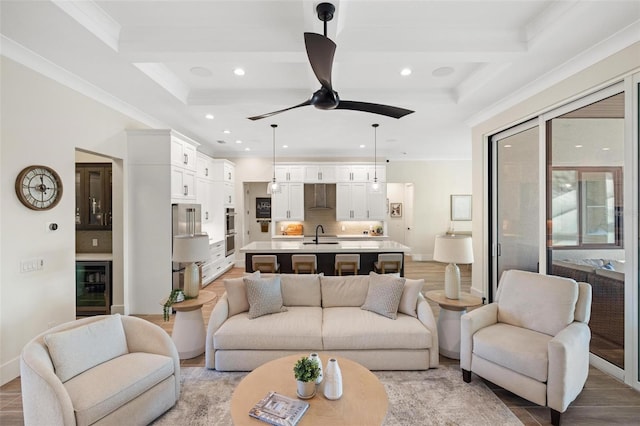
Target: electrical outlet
x=94 y=242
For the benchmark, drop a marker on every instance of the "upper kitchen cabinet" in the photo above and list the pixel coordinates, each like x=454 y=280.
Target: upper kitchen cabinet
x=289 y=173
x=320 y=173
x=93 y=196
x=351 y=201
x=183 y=154
x=287 y=202
x=360 y=173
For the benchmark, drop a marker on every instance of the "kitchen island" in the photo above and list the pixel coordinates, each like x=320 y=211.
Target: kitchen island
x=325 y=252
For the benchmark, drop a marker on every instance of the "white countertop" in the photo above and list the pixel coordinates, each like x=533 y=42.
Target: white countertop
x=95 y=257
x=283 y=246
x=335 y=237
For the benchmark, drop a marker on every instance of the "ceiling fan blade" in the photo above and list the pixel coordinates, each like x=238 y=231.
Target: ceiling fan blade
x=320 y=51
x=389 y=111
x=269 y=114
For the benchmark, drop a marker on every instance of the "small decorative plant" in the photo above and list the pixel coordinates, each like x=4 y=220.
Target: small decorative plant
x=176 y=295
x=306 y=370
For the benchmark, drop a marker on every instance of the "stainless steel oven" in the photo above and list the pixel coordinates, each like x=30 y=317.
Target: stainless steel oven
x=230 y=244
x=230 y=231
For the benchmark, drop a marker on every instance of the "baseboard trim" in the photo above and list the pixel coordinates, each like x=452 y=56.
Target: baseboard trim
x=9 y=371
x=117 y=309
x=606 y=367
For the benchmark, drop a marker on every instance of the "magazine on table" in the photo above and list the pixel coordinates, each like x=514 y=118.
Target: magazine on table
x=279 y=410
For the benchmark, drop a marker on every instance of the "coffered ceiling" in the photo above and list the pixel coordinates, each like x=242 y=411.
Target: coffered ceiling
x=170 y=63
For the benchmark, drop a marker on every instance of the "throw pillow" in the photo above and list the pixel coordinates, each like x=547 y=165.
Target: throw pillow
x=384 y=295
x=237 y=294
x=409 y=299
x=265 y=296
x=75 y=350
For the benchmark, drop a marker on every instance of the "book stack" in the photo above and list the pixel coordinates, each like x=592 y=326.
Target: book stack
x=279 y=410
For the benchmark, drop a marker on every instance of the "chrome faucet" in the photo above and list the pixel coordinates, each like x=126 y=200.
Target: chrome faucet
x=322 y=229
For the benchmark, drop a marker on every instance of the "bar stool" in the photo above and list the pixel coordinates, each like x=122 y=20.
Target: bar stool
x=388 y=263
x=347 y=263
x=304 y=263
x=265 y=263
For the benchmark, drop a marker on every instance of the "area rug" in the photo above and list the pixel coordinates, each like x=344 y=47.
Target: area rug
x=433 y=397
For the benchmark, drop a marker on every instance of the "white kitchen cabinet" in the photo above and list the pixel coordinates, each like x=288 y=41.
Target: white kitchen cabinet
x=223 y=171
x=351 y=201
x=377 y=202
x=183 y=184
x=204 y=166
x=287 y=202
x=289 y=173
x=360 y=173
x=228 y=194
x=320 y=173
x=183 y=154
x=204 y=197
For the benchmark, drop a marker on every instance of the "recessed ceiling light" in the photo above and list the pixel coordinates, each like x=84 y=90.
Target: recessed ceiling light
x=238 y=141
x=578 y=146
x=226 y=131
x=209 y=116
x=362 y=146
x=221 y=142
x=285 y=146
x=247 y=149
x=507 y=146
x=405 y=72
x=606 y=148
x=238 y=71
x=442 y=71
x=201 y=71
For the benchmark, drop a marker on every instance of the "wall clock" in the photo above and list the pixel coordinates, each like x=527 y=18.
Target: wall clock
x=39 y=187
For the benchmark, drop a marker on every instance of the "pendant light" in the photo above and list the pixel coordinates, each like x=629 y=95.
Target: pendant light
x=375 y=185
x=273 y=185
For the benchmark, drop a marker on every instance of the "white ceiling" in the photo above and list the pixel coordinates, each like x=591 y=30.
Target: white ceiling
x=138 y=56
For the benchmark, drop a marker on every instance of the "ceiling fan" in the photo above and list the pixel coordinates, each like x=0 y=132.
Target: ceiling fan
x=320 y=51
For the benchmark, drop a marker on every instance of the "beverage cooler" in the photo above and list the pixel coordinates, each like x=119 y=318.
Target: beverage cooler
x=93 y=288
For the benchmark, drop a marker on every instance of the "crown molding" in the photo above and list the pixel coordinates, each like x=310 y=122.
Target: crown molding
x=91 y=16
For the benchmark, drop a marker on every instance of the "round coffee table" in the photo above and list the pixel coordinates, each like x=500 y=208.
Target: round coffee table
x=364 y=400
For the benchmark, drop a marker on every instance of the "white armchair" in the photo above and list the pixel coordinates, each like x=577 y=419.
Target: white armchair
x=105 y=370
x=533 y=340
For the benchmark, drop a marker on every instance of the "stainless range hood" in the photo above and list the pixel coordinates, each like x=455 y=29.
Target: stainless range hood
x=320 y=197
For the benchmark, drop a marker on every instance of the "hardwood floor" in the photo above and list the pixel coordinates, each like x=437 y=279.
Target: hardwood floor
x=603 y=401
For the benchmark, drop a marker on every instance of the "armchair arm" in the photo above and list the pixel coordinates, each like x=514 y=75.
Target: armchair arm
x=425 y=315
x=44 y=398
x=470 y=323
x=218 y=316
x=568 y=365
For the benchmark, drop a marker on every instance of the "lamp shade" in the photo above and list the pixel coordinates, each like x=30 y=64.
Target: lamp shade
x=190 y=248
x=453 y=249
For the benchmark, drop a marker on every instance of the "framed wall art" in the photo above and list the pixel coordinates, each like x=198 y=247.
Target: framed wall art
x=396 y=210
x=461 y=207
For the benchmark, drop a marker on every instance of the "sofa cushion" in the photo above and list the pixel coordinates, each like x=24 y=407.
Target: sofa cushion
x=356 y=329
x=300 y=289
x=384 y=294
x=297 y=328
x=108 y=386
x=350 y=290
x=237 y=293
x=519 y=349
x=265 y=296
x=409 y=299
x=76 y=350
x=544 y=303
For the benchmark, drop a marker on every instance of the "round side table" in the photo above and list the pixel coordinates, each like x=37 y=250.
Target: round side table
x=188 y=332
x=451 y=310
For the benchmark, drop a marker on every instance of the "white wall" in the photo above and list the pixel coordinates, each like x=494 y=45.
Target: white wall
x=44 y=122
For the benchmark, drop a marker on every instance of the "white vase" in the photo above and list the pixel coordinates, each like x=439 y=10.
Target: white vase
x=332 y=380
x=317 y=358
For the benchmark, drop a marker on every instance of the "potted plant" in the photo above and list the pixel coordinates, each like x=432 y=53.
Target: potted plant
x=177 y=295
x=306 y=372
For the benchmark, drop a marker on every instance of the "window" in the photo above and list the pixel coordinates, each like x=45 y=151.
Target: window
x=587 y=204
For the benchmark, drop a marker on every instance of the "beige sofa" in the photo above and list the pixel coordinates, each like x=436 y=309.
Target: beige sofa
x=323 y=313
x=102 y=370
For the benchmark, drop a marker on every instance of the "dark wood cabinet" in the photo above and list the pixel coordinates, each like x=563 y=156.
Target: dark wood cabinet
x=93 y=196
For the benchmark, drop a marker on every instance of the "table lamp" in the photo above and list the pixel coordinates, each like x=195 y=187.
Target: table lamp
x=191 y=249
x=453 y=249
